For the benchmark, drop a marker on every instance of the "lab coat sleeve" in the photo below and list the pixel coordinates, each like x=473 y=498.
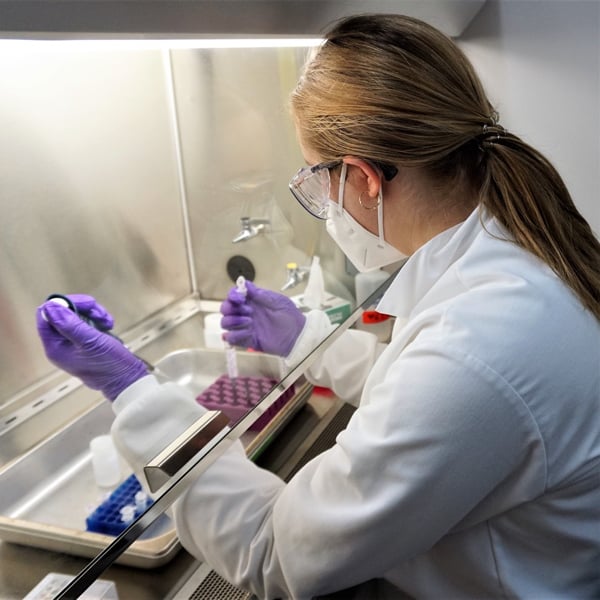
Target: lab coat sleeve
x=149 y=417
x=344 y=365
x=437 y=435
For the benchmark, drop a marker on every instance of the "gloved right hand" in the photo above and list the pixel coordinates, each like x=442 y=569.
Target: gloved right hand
x=261 y=319
x=100 y=360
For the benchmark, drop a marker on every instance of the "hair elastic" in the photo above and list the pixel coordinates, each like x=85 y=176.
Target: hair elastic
x=491 y=133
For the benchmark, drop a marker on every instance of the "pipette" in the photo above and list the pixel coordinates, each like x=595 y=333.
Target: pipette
x=230 y=354
x=67 y=303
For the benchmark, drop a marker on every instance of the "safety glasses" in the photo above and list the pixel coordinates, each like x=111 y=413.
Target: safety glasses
x=311 y=185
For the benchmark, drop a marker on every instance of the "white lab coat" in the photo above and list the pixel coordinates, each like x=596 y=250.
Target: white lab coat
x=471 y=468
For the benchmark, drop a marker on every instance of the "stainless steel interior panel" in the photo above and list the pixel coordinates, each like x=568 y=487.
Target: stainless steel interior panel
x=89 y=192
x=240 y=151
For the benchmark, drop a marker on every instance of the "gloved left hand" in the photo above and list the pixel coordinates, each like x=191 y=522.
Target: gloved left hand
x=261 y=319
x=100 y=360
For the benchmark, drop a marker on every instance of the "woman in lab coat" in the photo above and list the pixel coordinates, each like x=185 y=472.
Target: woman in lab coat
x=471 y=467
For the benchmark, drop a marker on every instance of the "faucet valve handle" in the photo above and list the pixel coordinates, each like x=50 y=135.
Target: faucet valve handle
x=250 y=228
x=295 y=275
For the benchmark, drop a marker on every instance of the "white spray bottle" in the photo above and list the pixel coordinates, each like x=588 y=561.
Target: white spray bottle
x=314 y=293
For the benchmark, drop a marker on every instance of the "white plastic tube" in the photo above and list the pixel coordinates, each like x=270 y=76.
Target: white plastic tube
x=141 y=501
x=105 y=461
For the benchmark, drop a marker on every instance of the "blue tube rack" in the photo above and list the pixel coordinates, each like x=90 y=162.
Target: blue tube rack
x=106 y=518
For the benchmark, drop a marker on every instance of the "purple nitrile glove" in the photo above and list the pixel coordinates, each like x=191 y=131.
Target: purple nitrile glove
x=261 y=319
x=100 y=360
x=90 y=309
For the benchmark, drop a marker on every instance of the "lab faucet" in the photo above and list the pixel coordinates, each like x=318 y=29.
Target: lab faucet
x=250 y=228
x=295 y=276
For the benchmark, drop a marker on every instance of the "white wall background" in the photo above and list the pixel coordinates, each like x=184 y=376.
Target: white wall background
x=540 y=63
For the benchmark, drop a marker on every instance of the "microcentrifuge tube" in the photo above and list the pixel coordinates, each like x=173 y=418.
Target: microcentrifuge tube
x=127 y=513
x=240 y=284
x=141 y=501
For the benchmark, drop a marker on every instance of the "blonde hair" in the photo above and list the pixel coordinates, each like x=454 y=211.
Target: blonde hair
x=397 y=91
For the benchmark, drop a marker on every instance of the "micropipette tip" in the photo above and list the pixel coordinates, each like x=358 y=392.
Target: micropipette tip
x=230 y=353
x=231 y=360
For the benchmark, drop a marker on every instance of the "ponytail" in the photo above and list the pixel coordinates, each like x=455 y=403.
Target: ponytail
x=525 y=193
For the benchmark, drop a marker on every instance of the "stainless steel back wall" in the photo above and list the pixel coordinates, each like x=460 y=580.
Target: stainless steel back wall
x=239 y=152
x=88 y=190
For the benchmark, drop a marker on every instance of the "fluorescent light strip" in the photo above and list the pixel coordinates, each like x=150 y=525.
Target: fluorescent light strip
x=174 y=44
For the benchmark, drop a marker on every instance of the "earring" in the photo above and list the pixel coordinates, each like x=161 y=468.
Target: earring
x=368 y=207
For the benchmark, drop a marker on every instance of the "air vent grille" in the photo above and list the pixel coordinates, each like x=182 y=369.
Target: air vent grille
x=214 y=586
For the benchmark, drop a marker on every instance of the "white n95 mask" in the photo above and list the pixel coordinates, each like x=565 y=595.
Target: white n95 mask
x=366 y=251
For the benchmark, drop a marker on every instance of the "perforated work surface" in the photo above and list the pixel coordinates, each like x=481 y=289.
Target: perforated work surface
x=214 y=587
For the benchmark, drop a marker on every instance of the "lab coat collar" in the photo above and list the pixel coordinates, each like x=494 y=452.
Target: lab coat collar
x=429 y=263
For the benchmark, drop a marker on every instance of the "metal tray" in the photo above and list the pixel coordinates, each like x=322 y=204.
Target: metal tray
x=196 y=369
x=48 y=492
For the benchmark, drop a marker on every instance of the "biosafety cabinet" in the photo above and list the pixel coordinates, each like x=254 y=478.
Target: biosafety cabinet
x=147 y=149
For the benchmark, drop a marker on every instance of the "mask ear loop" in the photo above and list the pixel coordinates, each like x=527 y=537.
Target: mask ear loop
x=380 y=217
x=340 y=202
